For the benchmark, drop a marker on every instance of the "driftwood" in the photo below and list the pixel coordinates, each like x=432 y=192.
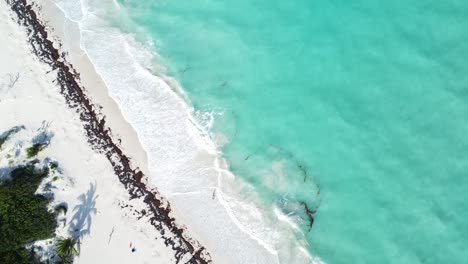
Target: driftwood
x=13 y=79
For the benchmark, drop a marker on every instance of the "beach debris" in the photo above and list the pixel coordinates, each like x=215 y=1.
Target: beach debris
x=310 y=214
x=303 y=169
x=13 y=79
x=185 y=69
x=110 y=235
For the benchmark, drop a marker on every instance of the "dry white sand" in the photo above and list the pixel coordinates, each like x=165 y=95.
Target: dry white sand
x=33 y=99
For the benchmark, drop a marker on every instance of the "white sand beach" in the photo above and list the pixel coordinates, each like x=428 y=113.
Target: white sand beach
x=34 y=99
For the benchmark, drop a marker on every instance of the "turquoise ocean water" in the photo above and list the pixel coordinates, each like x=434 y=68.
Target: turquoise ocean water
x=357 y=108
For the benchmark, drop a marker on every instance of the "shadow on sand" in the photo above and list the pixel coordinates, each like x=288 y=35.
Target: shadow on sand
x=81 y=221
x=44 y=135
x=5 y=172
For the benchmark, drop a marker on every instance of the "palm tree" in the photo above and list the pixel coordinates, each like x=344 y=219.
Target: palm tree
x=66 y=248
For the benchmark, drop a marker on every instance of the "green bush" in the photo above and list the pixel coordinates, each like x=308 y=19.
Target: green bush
x=53 y=165
x=19 y=256
x=24 y=217
x=36 y=148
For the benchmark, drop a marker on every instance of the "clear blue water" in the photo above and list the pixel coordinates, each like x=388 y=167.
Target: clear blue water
x=365 y=101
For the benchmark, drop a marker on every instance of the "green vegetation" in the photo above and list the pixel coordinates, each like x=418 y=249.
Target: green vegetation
x=18 y=256
x=66 y=249
x=53 y=165
x=55 y=178
x=24 y=217
x=36 y=148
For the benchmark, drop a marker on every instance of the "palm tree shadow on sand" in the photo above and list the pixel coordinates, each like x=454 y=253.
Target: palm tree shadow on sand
x=80 y=224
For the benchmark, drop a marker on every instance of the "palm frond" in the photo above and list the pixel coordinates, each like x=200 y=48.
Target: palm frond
x=66 y=248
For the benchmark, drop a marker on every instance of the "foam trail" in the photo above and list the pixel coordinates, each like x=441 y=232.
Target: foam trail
x=182 y=157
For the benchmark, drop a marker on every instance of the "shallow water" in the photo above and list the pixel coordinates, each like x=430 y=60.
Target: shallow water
x=357 y=109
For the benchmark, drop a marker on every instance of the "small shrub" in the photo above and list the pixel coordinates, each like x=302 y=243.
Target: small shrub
x=55 y=178
x=53 y=165
x=36 y=148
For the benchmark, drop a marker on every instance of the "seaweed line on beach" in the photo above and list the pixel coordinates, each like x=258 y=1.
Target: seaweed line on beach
x=100 y=138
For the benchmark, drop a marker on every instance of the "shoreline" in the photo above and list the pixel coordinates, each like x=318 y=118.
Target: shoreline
x=101 y=139
x=184 y=162
x=58 y=27
x=177 y=156
x=193 y=203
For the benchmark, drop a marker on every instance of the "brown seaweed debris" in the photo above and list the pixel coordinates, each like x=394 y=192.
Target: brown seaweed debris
x=101 y=139
x=310 y=214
